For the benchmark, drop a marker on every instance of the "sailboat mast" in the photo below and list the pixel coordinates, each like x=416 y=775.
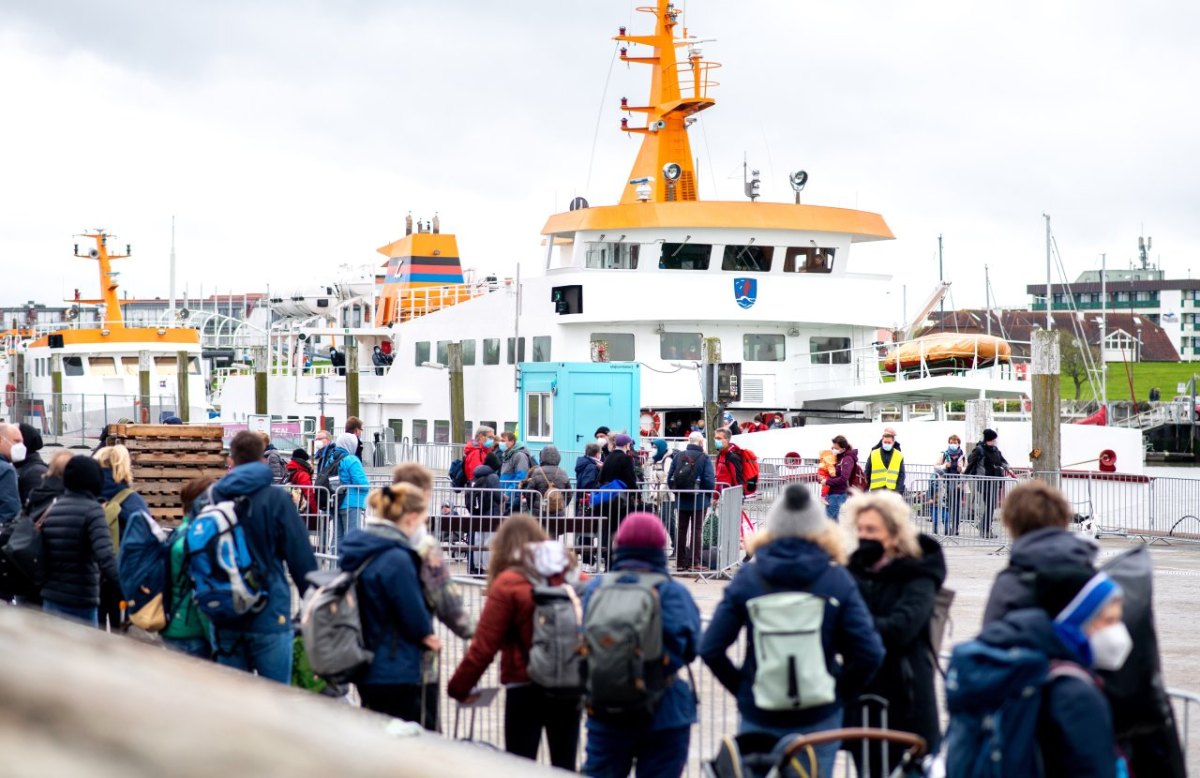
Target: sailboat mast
x=987 y=295
x=1049 y=297
x=171 y=282
x=1103 y=333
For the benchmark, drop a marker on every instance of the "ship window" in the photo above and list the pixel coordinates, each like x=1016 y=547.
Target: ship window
x=420 y=431
x=541 y=348
x=73 y=366
x=612 y=256
x=510 y=426
x=397 y=426
x=491 y=424
x=103 y=366
x=441 y=431
x=612 y=347
x=679 y=345
x=422 y=351
x=762 y=348
x=538 y=415
x=829 y=351
x=516 y=350
x=685 y=256
x=491 y=351
x=166 y=367
x=443 y=352
x=129 y=365
x=808 y=259
x=468 y=352
x=748 y=259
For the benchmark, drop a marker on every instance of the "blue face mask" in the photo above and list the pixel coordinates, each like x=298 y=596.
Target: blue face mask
x=719 y=443
x=489 y=442
x=954 y=447
x=504 y=444
x=886 y=446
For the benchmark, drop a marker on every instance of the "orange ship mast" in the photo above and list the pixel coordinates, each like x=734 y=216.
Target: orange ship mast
x=113 y=316
x=664 y=170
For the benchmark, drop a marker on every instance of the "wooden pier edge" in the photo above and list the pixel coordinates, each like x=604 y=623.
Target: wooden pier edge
x=81 y=702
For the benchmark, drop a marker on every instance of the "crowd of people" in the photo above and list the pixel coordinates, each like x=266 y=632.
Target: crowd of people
x=835 y=602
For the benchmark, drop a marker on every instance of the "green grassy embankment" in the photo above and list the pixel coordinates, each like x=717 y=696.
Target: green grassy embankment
x=1146 y=375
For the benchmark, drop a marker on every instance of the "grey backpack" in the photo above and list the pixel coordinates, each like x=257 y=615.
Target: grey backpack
x=556 y=655
x=623 y=637
x=791 y=673
x=330 y=624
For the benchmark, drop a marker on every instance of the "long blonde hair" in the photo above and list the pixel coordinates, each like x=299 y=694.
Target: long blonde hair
x=117 y=459
x=896 y=515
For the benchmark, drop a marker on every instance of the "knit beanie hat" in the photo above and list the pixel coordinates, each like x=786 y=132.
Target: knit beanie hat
x=1073 y=595
x=796 y=514
x=623 y=440
x=989 y=434
x=82 y=474
x=641 y=530
x=300 y=454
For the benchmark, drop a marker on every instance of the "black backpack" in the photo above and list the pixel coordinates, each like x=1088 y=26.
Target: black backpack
x=686 y=475
x=326 y=482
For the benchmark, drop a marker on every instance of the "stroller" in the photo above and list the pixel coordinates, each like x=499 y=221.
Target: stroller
x=758 y=755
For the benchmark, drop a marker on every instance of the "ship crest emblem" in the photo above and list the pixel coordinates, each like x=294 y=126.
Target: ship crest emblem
x=745 y=291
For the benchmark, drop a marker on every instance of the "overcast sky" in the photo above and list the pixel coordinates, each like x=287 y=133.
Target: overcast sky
x=290 y=137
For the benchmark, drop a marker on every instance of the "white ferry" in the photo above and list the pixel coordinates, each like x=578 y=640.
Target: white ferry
x=647 y=280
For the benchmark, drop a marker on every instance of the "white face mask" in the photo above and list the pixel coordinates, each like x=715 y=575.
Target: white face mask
x=1111 y=647
x=601 y=441
x=417 y=535
x=18 y=452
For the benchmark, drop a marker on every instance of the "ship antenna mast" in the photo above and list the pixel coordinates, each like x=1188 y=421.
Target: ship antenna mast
x=113 y=317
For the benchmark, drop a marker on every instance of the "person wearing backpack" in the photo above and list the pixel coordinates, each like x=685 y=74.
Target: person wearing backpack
x=898 y=573
x=842 y=479
x=729 y=461
x=352 y=485
x=1023 y=693
x=550 y=482
x=121 y=504
x=77 y=545
x=516 y=463
x=693 y=478
x=274 y=459
x=260 y=641
x=647 y=725
x=396 y=623
x=477 y=450
x=521 y=553
x=798 y=601
x=187 y=629
x=989 y=466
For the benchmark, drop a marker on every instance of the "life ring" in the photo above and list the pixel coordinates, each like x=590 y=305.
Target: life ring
x=10 y=395
x=1108 y=461
x=650 y=423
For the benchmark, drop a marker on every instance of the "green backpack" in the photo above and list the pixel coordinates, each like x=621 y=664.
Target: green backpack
x=791 y=672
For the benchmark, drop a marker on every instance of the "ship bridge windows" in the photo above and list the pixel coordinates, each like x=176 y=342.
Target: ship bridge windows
x=612 y=347
x=748 y=259
x=491 y=351
x=808 y=259
x=166 y=367
x=73 y=366
x=468 y=352
x=762 y=348
x=441 y=431
x=685 y=256
x=422 y=352
x=443 y=357
x=420 y=431
x=612 y=255
x=680 y=345
x=829 y=351
x=516 y=350
x=105 y=367
x=541 y=348
x=129 y=365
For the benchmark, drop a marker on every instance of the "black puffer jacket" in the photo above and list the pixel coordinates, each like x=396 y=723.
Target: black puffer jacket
x=78 y=550
x=33 y=468
x=43 y=494
x=900 y=598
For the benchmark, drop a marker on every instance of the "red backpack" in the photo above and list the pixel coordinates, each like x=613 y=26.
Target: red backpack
x=749 y=470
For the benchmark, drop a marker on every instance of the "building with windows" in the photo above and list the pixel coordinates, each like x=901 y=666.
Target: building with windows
x=1172 y=304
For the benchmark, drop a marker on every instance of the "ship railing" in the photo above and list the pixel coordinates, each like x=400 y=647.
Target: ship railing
x=425 y=300
x=695 y=79
x=75 y=419
x=868 y=365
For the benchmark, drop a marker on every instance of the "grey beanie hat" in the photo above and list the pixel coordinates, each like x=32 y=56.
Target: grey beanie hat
x=796 y=513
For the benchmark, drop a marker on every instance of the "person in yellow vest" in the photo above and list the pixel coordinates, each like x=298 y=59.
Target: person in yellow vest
x=885 y=465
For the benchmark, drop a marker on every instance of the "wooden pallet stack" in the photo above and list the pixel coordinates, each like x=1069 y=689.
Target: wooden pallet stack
x=165 y=457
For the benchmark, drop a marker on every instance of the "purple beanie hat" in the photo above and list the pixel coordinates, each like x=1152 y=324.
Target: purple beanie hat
x=641 y=530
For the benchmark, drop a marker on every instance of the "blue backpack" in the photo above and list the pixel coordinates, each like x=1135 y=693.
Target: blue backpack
x=143 y=563
x=994 y=696
x=458 y=474
x=227 y=582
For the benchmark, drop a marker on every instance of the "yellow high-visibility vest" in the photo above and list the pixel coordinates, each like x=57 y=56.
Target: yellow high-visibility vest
x=885 y=476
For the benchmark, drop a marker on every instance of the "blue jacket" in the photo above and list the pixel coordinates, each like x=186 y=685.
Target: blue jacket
x=1075 y=730
x=795 y=564
x=706 y=474
x=275 y=534
x=587 y=473
x=681 y=632
x=130 y=506
x=352 y=474
x=10 y=494
x=395 y=617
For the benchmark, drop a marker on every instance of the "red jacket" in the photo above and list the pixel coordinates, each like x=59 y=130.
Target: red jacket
x=505 y=627
x=729 y=467
x=298 y=474
x=473 y=456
